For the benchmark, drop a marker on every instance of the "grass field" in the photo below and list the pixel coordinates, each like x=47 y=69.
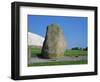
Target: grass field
x=69 y=52
x=75 y=53
x=36 y=52
x=58 y=63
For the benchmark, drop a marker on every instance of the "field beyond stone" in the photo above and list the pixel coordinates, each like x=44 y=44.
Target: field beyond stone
x=69 y=52
x=71 y=57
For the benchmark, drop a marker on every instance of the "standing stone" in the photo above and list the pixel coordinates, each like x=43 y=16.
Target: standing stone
x=54 y=44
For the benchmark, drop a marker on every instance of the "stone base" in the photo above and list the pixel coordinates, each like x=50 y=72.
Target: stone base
x=51 y=56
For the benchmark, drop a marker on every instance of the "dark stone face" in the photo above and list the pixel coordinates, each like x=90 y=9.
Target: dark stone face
x=54 y=44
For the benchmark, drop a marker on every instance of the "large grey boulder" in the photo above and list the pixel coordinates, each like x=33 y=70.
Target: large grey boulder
x=54 y=44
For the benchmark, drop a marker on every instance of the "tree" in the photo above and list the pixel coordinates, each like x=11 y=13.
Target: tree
x=75 y=48
x=85 y=49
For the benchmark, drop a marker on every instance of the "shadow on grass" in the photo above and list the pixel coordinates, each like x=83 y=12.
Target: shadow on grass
x=42 y=56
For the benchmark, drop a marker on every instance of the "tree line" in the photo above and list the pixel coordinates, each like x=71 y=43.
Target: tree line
x=78 y=48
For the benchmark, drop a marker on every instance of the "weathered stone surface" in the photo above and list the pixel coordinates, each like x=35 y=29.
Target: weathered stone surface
x=54 y=44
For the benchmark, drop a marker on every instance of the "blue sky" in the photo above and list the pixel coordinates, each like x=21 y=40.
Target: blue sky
x=74 y=28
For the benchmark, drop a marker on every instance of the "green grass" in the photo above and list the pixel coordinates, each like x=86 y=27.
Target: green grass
x=59 y=63
x=37 y=51
x=75 y=53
